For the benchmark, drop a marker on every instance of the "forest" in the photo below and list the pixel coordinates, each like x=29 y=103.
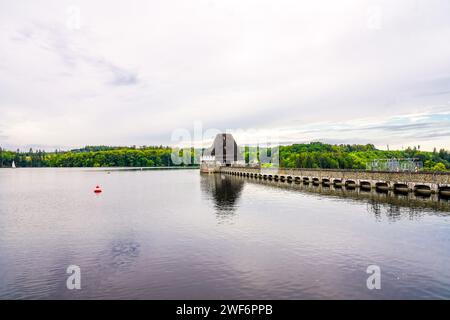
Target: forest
x=308 y=155
x=320 y=155
x=90 y=156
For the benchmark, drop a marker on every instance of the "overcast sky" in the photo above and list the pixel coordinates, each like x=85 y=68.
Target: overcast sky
x=75 y=73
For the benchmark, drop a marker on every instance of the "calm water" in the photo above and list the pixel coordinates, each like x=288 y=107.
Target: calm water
x=179 y=234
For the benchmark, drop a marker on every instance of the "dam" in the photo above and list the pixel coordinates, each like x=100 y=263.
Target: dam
x=418 y=182
x=224 y=157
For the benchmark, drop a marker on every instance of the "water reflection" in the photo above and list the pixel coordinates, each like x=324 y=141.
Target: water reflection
x=177 y=236
x=392 y=205
x=225 y=192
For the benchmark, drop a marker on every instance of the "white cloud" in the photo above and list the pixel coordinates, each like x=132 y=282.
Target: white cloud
x=132 y=72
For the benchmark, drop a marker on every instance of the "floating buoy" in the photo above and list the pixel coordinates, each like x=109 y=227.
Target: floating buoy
x=97 y=189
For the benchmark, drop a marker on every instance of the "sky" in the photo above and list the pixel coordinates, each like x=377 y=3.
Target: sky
x=76 y=73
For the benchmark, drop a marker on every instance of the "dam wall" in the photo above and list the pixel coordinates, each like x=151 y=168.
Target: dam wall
x=420 y=182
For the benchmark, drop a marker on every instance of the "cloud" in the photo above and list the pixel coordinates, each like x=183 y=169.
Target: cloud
x=123 y=77
x=57 y=41
x=389 y=127
x=429 y=130
x=136 y=72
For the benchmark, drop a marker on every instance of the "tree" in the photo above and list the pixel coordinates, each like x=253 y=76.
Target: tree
x=439 y=167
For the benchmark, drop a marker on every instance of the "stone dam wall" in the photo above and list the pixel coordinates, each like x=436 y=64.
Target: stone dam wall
x=421 y=182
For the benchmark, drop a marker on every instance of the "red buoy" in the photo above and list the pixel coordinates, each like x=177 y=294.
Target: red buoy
x=97 y=189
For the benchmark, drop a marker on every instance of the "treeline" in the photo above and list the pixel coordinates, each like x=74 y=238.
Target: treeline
x=92 y=156
x=320 y=155
x=311 y=155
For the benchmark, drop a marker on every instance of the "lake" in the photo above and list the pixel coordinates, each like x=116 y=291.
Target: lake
x=177 y=234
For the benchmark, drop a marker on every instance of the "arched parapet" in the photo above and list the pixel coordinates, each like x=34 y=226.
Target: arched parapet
x=401 y=187
x=366 y=185
x=422 y=189
x=349 y=183
x=444 y=190
x=382 y=186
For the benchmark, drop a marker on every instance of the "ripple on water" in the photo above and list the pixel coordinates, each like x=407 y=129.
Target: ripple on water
x=182 y=235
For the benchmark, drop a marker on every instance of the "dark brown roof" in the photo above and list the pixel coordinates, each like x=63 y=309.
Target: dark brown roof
x=224 y=148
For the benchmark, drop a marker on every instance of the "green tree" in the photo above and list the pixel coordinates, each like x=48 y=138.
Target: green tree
x=439 y=167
